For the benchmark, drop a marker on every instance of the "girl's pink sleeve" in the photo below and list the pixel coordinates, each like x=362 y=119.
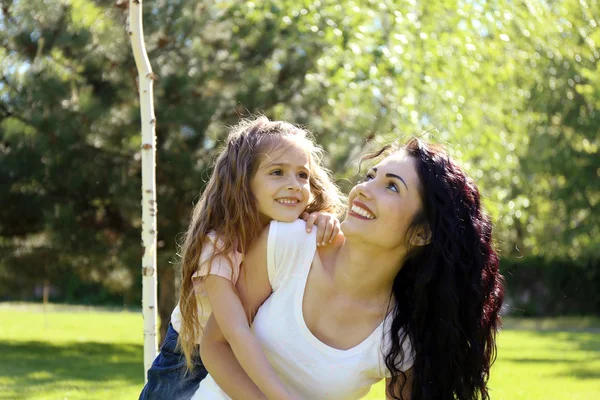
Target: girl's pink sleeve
x=225 y=265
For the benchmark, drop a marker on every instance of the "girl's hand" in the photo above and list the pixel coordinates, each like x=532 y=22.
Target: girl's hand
x=328 y=226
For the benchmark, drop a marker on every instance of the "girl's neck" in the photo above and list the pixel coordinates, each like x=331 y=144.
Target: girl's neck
x=363 y=271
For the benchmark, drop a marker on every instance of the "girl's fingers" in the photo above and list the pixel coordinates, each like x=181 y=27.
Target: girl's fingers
x=328 y=226
x=336 y=231
x=322 y=225
x=328 y=232
x=310 y=222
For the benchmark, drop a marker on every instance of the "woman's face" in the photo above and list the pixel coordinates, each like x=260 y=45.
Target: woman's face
x=382 y=207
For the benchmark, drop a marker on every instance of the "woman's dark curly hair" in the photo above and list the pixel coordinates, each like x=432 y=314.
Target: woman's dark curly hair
x=448 y=293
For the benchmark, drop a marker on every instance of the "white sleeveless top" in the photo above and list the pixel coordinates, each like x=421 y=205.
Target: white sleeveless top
x=307 y=366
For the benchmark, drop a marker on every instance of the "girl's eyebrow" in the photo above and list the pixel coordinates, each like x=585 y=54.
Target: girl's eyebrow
x=281 y=164
x=277 y=164
x=390 y=175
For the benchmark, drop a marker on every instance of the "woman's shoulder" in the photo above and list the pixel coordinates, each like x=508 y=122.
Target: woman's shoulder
x=291 y=238
x=293 y=229
x=289 y=247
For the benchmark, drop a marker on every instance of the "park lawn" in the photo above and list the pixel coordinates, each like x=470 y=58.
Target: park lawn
x=70 y=353
x=542 y=365
x=81 y=353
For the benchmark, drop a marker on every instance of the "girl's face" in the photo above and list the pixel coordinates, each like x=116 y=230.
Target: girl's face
x=281 y=183
x=382 y=207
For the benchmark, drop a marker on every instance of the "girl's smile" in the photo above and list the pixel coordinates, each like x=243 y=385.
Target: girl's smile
x=281 y=183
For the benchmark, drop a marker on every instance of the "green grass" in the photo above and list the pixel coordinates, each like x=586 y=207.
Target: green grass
x=70 y=353
x=90 y=353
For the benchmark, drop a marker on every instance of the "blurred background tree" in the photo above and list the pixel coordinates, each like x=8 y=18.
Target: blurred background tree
x=509 y=87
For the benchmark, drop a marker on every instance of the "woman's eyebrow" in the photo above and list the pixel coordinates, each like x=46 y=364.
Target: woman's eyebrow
x=390 y=175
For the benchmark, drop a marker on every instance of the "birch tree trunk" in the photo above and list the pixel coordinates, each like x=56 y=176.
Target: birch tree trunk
x=149 y=228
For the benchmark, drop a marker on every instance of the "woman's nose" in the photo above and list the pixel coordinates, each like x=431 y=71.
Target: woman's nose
x=363 y=190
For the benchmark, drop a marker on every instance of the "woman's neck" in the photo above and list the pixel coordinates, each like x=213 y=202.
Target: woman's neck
x=364 y=270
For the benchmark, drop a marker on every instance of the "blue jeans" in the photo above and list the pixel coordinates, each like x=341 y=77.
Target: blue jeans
x=167 y=377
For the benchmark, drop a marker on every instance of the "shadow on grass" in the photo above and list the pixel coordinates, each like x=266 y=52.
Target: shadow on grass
x=30 y=364
x=586 y=341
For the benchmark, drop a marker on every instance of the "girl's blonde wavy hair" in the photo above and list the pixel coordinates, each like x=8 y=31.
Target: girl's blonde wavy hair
x=228 y=207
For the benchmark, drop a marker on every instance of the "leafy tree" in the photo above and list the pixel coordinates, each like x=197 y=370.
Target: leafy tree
x=509 y=87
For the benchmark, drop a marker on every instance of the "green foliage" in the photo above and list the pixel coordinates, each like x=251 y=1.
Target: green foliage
x=538 y=286
x=508 y=87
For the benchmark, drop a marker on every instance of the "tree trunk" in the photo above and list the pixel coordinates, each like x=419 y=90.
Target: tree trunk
x=148 y=152
x=166 y=299
x=46 y=291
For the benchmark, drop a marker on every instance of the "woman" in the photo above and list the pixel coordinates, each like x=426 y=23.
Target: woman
x=412 y=294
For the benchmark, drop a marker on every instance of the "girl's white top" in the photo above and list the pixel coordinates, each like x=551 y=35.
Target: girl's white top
x=307 y=366
x=225 y=265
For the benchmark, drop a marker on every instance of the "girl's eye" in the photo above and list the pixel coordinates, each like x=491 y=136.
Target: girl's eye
x=277 y=172
x=303 y=175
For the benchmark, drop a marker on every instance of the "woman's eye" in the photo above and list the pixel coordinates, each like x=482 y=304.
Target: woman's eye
x=369 y=177
x=393 y=187
x=277 y=172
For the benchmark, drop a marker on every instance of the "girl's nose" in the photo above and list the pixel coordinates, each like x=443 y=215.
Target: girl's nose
x=293 y=184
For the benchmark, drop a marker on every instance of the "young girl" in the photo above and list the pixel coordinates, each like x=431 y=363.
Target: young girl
x=270 y=170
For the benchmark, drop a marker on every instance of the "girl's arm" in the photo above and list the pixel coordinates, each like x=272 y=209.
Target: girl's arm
x=232 y=320
x=229 y=314
x=227 y=371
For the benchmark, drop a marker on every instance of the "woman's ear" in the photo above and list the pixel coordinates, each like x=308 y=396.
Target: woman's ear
x=421 y=236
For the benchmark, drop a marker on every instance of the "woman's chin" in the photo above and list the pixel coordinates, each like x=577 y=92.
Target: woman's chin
x=352 y=228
